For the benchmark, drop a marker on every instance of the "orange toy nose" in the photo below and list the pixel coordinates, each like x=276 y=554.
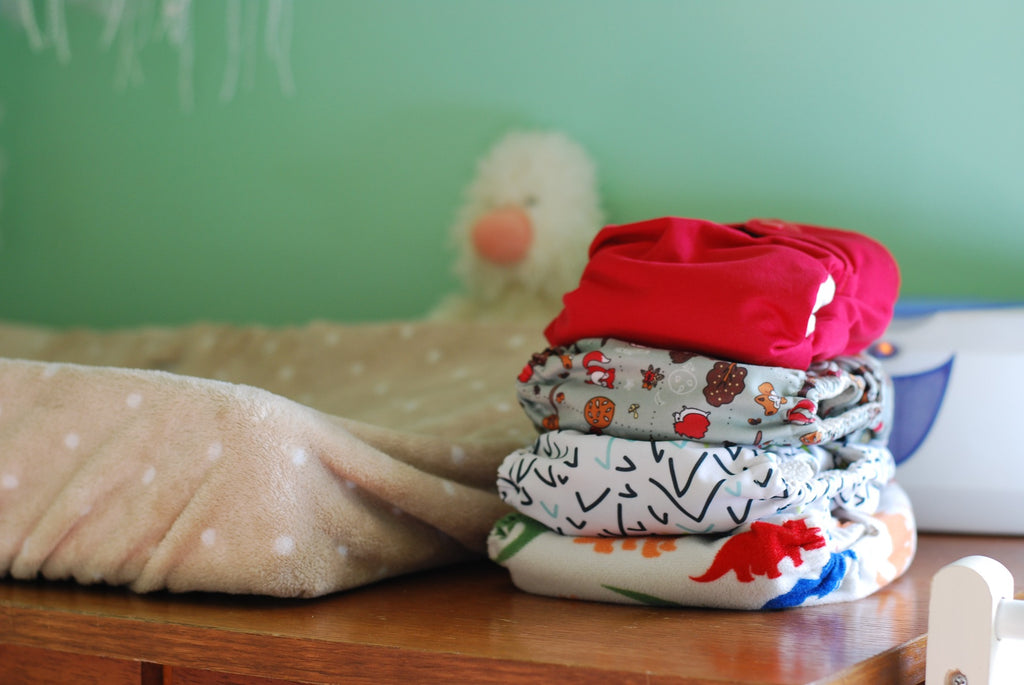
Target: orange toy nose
x=503 y=236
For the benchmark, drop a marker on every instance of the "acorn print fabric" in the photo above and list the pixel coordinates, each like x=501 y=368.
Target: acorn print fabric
x=675 y=477
x=633 y=391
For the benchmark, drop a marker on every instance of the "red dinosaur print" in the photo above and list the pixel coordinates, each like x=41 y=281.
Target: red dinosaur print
x=759 y=550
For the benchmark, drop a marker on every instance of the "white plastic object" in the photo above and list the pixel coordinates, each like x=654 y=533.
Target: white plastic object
x=944 y=365
x=975 y=626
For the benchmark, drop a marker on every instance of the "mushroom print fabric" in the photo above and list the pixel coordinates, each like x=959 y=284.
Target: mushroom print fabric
x=644 y=393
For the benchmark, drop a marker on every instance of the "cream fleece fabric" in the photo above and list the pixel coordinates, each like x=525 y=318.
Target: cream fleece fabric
x=287 y=462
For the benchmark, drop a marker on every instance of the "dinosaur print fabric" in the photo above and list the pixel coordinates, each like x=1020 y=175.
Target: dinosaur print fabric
x=775 y=563
x=582 y=484
x=638 y=392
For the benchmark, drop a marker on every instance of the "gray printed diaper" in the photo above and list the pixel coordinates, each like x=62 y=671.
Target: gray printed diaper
x=631 y=391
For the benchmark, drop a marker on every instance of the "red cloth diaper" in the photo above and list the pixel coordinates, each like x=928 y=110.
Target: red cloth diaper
x=764 y=292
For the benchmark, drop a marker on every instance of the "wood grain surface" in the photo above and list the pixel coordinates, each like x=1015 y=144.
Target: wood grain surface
x=469 y=624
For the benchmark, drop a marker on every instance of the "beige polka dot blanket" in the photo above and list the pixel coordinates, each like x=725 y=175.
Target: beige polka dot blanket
x=286 y=462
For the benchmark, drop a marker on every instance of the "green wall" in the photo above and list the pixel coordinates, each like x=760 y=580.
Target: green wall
x=903 y=120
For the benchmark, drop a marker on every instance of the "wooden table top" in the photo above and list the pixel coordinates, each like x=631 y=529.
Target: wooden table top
x=469 y=624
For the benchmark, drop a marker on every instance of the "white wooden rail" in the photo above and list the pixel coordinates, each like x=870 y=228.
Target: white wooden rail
x=975 y=626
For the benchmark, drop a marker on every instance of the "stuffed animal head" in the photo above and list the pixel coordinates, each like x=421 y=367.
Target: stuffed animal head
x=527 y=221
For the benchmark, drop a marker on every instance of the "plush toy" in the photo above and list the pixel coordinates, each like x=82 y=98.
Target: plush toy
x=522 y=234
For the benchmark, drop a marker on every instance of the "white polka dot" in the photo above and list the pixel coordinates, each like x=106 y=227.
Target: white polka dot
x=433 y=356
x=149 y=476
x=460 y=373
x=71 y=440
x=406 y=331
x=209 y=537
x=214 y=451
x=270 y=347
x=503 y=407
x=50 y=370
x=299 y=456
x=342 y=550
x=332 y=338
x=458 y=454
x=477 y=385
x=381 y=389
x=357 y=368
x=284 y=545
x=133 y=400
x=411 y=405
x=516 y=341
x=286 y=373
x=9 y=481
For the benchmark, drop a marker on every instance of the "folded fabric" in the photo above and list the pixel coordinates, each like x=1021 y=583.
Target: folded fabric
x=782 y=562
x=765 y=292
x=634 y=391
x=583 y=484
x=377 y=466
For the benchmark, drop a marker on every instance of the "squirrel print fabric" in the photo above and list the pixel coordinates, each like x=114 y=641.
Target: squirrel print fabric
x=637 y=392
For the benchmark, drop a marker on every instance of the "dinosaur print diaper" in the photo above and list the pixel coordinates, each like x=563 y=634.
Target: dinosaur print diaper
x=633 y=391
x=581 y=484
x=776 y=563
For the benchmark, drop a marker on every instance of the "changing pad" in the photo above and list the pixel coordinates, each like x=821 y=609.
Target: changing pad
x=285 y=462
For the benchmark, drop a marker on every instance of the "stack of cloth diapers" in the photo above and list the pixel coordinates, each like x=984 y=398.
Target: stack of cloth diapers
x=712 y=430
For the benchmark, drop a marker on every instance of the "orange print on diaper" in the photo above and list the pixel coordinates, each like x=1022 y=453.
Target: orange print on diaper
x=652 y=546
x=598 y=412
x=903 y=544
